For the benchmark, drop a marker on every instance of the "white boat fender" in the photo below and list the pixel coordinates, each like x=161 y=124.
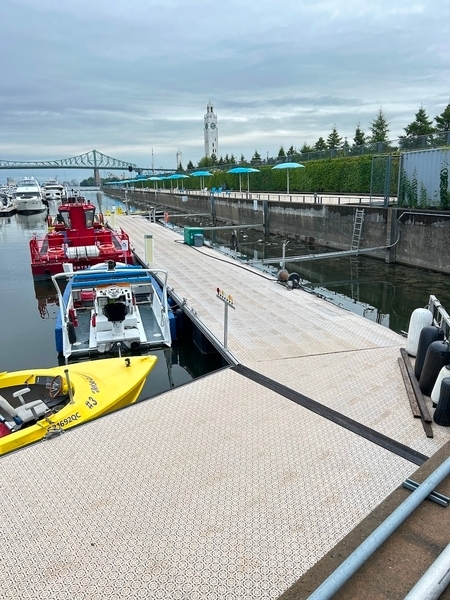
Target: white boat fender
x=420 y=318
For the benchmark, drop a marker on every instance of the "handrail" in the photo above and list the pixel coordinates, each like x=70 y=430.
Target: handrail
x=348 y=568
x=441 y=318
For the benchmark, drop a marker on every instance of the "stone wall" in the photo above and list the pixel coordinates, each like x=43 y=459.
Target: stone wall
x=422 y=237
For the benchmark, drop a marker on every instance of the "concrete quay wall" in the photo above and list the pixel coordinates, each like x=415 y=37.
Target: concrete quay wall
x=417 y=238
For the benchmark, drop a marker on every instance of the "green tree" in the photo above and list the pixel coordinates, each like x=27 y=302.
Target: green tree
x=89 y=182
x=204 y=162
x=281 y=152
x=242 y=160
x=256 y=159
x=417 y=131
x=320 y=144
x=334 y=140
x=306 y=148
x=232 y=160
x=190 y=166
x=291 y=153
x=443 y=126
x=360 y=136
x=379 y=128
x=443 y=120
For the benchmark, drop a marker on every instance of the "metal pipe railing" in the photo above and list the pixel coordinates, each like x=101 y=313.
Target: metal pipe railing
x=349 y=567
x=431 y=585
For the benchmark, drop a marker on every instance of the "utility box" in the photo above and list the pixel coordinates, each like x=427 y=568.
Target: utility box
x=189 y=234
x=198 y=240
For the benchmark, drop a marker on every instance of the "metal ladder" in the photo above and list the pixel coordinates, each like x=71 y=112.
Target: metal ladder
x=357 y=228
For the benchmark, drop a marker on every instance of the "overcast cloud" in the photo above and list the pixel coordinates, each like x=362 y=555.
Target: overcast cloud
x=126 y=77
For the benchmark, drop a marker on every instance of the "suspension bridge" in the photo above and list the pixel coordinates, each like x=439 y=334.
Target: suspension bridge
x=89 y=160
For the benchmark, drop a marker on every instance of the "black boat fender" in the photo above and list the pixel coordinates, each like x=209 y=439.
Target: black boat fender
x=71 y=333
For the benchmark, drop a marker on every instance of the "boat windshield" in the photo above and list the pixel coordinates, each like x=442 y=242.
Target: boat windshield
x=27 y=195
x=64 y=217
x=89 y=215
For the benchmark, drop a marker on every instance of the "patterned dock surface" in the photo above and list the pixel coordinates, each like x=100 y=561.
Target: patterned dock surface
x=234 y=485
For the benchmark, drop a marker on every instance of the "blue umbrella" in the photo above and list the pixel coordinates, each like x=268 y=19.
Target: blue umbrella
x=239 y=171
x=154 y=178
x=201 y=174
x=288 y=166
x=178 y=176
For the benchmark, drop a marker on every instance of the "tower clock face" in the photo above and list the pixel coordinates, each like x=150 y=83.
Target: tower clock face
x=213 y=125
x=206 y=125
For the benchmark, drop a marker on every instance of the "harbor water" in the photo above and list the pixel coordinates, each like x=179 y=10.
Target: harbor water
x=385 y=293
x=29 y=310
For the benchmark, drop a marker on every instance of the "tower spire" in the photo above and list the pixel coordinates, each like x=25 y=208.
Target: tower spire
x=211 y=132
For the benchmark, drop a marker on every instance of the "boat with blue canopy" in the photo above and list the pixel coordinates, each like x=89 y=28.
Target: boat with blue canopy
x=112 y=309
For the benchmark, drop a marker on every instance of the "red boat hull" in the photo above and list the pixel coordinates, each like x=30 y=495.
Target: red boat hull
x=79 y=237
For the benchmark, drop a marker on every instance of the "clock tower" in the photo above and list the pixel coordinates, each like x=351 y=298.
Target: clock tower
x=211 y=132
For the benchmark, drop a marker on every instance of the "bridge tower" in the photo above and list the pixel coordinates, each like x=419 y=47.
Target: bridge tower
x=97 y=178
x=211 y=132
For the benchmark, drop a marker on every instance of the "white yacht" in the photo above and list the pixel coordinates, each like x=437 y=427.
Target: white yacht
x=28 y=197
x=53 y=190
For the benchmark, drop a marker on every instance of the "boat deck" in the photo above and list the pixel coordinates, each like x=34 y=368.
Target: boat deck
x=235 y=485
x=150 y=325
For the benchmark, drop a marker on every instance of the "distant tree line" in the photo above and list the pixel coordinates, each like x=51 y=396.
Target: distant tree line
x=436 y=132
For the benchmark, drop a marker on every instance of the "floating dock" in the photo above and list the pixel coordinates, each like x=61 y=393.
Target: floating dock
x=235 y=485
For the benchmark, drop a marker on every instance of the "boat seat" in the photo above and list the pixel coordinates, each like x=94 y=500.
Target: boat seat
x=27 y=411
x=31 y=411
x=115 y=311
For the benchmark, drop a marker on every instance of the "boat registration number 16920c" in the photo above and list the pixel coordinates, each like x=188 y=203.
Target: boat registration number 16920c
x=69 y=419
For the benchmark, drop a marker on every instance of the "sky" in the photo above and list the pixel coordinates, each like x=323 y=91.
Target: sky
x=132 y=78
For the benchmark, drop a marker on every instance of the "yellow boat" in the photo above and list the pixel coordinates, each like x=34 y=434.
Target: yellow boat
x=37 y=404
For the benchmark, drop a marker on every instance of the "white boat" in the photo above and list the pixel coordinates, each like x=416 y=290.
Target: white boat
x=7 y=205
x=112 y=308
x=28 y=197
x=53 y=190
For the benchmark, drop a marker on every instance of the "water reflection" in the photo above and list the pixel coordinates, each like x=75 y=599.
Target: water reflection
x=47 y=299
x=36 y=222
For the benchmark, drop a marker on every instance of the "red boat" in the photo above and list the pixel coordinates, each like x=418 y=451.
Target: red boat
x=80 y=237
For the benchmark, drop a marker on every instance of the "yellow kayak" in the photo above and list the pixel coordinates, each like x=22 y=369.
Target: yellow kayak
x=40 y=403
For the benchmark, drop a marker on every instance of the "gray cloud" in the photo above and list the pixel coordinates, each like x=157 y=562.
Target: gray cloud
x=127 y=77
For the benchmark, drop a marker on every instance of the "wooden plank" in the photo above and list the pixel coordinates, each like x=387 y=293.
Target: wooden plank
x=409 y=389
x=425 y=415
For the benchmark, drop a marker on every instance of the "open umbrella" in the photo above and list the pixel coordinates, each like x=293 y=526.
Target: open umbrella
x=178 y=176
x=154 y=178
x=201 y=174
x=239 y=171
x=288 y=166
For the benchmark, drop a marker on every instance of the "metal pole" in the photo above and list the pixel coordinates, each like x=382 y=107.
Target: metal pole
x=349 y=567
x=66 y=373
x=431 y=585
x=225 y=326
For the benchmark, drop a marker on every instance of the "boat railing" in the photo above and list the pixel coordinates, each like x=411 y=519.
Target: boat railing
x=441 y=318
x=91 y=278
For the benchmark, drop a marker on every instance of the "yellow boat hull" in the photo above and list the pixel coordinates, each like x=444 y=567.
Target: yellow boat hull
x=98 y=387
